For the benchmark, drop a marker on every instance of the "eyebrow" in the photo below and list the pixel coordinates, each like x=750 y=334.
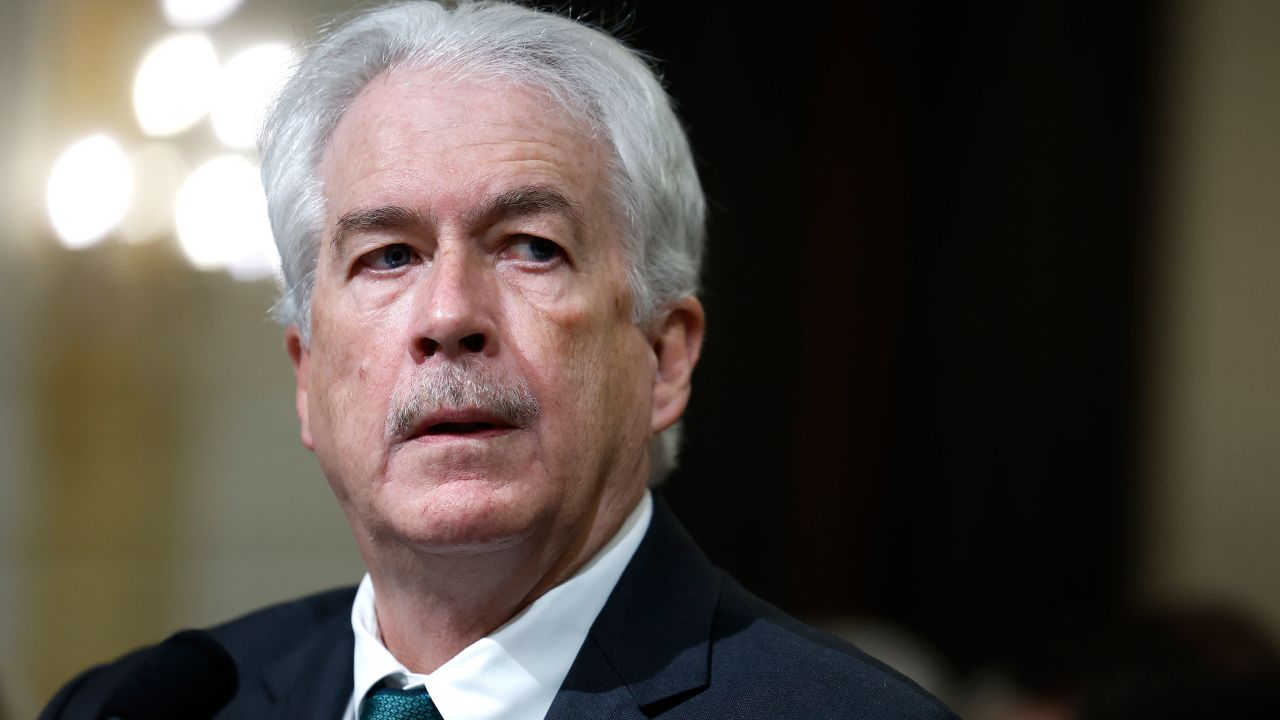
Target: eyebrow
x=385 y=217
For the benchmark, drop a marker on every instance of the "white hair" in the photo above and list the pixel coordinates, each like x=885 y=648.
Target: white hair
x=587 y=73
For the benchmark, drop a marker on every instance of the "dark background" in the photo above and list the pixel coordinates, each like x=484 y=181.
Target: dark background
x=919 y=396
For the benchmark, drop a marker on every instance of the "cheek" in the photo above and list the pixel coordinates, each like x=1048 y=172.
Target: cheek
x=577 y=346
x=343 y=367
x=593 y=367
x=569 y=343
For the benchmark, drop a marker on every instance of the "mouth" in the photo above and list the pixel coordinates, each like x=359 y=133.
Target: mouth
x=460 y=424
x=463 y=428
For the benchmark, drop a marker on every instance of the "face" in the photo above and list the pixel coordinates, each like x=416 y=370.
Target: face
x=469 y=246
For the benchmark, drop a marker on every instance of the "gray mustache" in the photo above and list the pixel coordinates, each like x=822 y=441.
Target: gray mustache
x=465 y=384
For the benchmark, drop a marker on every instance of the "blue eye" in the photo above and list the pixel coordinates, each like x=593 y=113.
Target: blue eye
x=390 y=257
x=539 y=250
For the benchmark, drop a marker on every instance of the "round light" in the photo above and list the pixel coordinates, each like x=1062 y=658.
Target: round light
x=247 y=85
x=89 y=191
x=159 y=170
x=174 y=83
x=222 y=220
x=198 y=13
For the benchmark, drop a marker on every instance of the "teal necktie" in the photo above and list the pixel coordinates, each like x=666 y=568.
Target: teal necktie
x=384 y=703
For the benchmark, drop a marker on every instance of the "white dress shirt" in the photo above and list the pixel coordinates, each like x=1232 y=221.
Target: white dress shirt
x=515 y=672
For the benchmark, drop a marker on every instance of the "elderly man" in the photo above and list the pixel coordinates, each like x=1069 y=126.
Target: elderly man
x=491 y=229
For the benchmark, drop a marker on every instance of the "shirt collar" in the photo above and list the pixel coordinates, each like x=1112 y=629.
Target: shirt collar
x=515 y=672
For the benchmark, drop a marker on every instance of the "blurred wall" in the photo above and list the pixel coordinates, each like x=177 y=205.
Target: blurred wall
x=1213 y=480
x=151 y=476
x=20 y=34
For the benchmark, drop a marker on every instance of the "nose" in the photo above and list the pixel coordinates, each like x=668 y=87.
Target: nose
x=451 y=313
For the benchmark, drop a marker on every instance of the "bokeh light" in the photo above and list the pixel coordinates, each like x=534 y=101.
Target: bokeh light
x=222 y=219
x=89 y=191
x=246 y=85
x=189 y=14
x=175 y=83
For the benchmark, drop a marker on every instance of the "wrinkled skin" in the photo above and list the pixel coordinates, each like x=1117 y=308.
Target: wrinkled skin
x=537 y=295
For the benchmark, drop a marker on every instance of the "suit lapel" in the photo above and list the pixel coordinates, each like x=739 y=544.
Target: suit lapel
x=650 y=647
x=315 y=681
x=594 y=689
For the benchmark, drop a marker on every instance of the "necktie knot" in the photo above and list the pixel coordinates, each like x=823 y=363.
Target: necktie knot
x=384 y=703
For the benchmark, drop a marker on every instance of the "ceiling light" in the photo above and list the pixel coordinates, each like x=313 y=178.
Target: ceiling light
x=89 y=191
x=174 y=84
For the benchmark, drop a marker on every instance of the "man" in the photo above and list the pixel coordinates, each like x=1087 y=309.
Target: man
x=491 y=230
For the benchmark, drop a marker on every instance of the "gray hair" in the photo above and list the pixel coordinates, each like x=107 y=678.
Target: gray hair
x=587 y=73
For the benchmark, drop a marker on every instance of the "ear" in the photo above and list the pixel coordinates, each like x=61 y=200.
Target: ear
x=676 y=343
x=300 y=354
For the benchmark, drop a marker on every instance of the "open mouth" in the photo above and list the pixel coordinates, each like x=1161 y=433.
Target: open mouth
x=478 y=426
x=463 y=428
x=456 y=423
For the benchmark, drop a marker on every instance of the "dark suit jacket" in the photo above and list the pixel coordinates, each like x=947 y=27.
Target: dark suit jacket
x=677 y=639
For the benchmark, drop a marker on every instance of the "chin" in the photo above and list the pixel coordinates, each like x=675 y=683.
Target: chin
x=464 y=514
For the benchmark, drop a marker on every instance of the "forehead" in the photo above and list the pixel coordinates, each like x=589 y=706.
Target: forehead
x=434 y=143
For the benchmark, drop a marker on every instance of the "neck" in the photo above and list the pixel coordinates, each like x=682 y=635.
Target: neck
x=432 y=605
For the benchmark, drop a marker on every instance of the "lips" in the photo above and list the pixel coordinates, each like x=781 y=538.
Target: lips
x=463 y=422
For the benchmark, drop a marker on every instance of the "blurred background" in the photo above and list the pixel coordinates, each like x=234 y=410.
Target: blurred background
x=992 y=354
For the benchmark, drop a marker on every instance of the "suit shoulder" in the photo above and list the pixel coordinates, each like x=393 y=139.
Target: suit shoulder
x=253 y=639
x=797 y=670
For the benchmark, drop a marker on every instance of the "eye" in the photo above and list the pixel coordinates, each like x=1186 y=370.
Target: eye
x=389 y=257
x=535 y=249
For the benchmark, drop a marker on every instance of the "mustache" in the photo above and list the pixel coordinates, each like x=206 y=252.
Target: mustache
x=461 y=384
